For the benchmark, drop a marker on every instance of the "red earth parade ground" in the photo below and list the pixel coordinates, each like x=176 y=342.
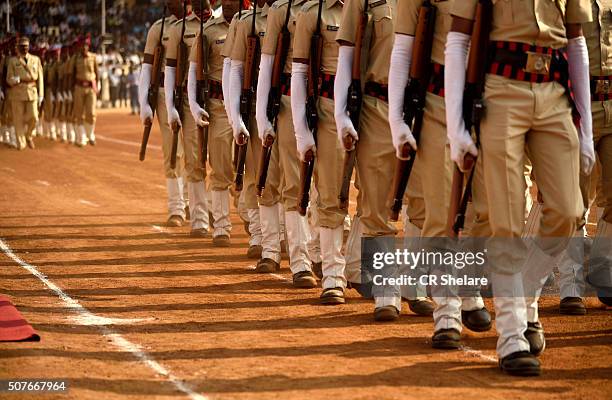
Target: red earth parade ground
x=161 y=314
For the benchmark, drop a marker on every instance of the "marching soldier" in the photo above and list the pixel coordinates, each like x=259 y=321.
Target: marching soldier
x=266 y=211
x=51 y=91
x=193 y=165
x=213 y=114
x=526 y=96
x=288 y=162
x=432 y=160
x=174 y=180
x=68 y=132
x=327 y=152
x=26 y=91
x=84 y=72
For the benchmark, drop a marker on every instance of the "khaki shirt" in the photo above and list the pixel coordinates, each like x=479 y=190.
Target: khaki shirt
x=226 y=51
x=597 y=34
x=30 y=73
x=243 y=30
x=51 y=75
x=407 y=20
x=153 y=36
x=192 y=28
x=215 y=32
x=381 y=43
x=276 y=22
x=330 y=24
x=67 y=73
x=84 y=68
x=535 y=22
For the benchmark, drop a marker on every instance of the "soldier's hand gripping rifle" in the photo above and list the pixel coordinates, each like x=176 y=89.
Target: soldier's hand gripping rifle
x=179 y=87
x=202 y=89
x=354 y=104
x=312 y=117
x=414 y=100
x=473 y=111
x=274 y=99
x=153 y=93
x=246 y=98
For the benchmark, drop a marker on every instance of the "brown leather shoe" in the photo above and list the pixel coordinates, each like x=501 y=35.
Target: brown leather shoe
x=254 y=252
x=30 y=143
x=423 y=307
x=572 y=306
x=332 y=296
x=175 y=221
x=198 y=233
x=386 y=313
x=447 y=339
x=267 y=266
x=304 y=280
x=221 y=241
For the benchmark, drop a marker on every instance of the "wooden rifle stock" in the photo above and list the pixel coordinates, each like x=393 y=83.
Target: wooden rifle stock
x=179 y=93
x=202 y=89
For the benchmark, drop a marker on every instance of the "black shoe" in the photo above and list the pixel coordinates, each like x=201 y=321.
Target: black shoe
x=332 y=296
x=476 y=320
x=386 y=313
x=199 y=233
x=520 y=363
x=448 y=339
x=267 y=266
x=304 y=280
x=606 y=300
x=92 y=142
x=535 y=336
x=221 y=241
x=254 y=252
x=317 y=269
x=423 y=307
x=572 y=306
x=175 y=221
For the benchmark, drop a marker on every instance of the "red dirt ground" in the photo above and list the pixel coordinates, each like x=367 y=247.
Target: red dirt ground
x=84 y=218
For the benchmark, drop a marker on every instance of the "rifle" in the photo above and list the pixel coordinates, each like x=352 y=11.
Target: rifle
x=236 y=146
x=354 y=103
x=246 y=98
x=153 y=93
x=179 y=93
x=414 y=100
x=202 y=89
x=274 y=99
x=473 y=111
x=312 y=117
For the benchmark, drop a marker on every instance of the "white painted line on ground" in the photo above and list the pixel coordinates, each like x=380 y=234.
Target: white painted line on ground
x=127 y=142
x=9 y=169
x=160 y=187
x=88 y=203
x=478 y=353
x=44 y=183
x=116 y=339
x=96 y=320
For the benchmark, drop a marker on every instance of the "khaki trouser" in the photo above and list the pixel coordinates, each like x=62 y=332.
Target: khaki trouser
x=84 y=111
x=375 y=166
x=7 y=111
x=328 y=168
x=194 y=172
x=25 y=116
x=220 y=142
x=413 y=198
x=288 y=156
x=166 y=134
x=49 y=105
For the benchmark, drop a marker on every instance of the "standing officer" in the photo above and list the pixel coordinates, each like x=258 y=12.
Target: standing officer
x=51 y=91
x=296 y=225
x=193 y=166
x=84 y=72
x=26 y=91
x=174 y=181
x=527 y=109
x=268 y=203
x=213 y=113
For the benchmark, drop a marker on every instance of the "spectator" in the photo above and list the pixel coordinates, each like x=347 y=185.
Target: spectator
x=132 y=82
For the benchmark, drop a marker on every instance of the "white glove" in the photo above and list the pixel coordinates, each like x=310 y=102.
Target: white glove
x=40 y=101
x=238 y=125
x=146 y=112
x=341 y=86
x=199 y=114
x=51 y=97
x=401 y=57
x=1 y=95
x=60 y=98
x=455 y=58
x=303 y=136
x=69 y=96
x=264 y=83
x=225 y=85
x=578 y=59
x=169 y=81
x=15 y=80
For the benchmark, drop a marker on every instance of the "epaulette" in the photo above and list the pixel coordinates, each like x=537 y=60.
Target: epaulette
x=309 y=4
x=279 y=3
x=246 y=14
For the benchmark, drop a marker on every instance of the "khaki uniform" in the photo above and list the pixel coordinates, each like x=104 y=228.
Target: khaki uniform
x=6 y=116
x=525 y=117
x=50 y=82
x=160 y=108
x=24 y=95
x=597 y=34
x=85 y=73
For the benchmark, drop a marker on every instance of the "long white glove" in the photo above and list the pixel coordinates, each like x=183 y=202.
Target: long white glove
x=199 y=114
x=303 y=135
x=578 y=59
x=401 y=57
x=225 y=86
x=264 y=83
x=455 y=58
x=60 y=98
x=146 y=112
x=2 y=95
x=236 y=75
x=51 y=96
x=341 y=86
x=40 y=101
x=14 y=80
x=169 y=81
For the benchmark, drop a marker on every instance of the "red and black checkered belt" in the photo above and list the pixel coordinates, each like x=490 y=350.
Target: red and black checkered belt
x=85 y=84
x=326 y=86
x=436 y=85
x=601 y=88
x=378 y=90
x=215 y=91
x=285 y=84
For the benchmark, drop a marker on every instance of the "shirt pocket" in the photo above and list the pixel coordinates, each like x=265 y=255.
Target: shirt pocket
x=503 y=14
x=382 y=20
